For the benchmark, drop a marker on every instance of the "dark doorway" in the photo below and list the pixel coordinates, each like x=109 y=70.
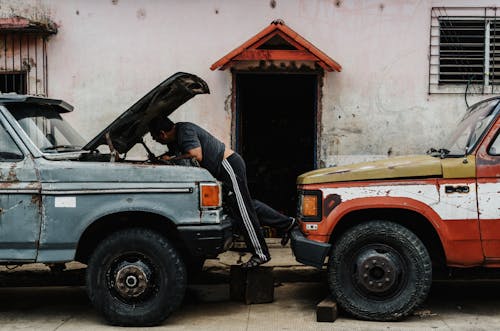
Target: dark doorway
x=276 y=133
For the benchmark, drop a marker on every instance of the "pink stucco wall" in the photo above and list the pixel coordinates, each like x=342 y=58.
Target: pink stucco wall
x=107 y=54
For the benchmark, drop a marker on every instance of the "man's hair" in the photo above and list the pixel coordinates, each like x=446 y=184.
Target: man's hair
x=160 y=123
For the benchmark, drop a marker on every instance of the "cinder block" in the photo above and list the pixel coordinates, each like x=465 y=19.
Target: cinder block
x=254 y=285
x=326 y=311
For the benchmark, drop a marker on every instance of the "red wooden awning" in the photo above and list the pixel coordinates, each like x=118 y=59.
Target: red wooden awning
x=277 y=42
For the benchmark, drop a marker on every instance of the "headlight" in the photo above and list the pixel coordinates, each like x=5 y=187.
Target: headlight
x=210 y=195
x=309 y=208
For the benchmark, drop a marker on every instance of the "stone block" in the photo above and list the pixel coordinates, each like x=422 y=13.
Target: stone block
x=254 y=285
x=326 y=311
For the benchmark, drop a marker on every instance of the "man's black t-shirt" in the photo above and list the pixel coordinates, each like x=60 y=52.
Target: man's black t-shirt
x=191 y=136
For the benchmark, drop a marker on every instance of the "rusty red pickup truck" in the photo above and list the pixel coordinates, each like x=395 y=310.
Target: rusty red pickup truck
x=384 y=227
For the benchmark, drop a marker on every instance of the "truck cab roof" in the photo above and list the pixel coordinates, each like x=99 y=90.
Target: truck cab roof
x=58 y=105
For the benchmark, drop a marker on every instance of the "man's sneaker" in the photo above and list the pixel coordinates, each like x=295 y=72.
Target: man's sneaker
x=254 y=261
x=286 y=236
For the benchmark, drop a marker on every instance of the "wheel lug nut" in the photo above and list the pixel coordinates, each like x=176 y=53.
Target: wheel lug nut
x=370 y=283
x=379 y=284
x=367 y=266
x=374 y=261
x=387 y=279
x=365 y=275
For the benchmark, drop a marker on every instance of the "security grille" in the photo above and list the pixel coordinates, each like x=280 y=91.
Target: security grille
x=464 y=51
x=23 y=63
x=13 y=82
x=461 y=53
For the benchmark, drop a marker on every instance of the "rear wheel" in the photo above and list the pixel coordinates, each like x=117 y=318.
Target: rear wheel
x=135 y=277
x=379 y=270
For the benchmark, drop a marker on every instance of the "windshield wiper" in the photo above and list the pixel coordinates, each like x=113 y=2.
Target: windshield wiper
x=63 y=147
x=431 y=150
x=443 y=152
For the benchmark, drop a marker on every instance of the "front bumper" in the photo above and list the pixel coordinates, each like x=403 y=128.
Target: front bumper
x=207 y=240
x=308 y=252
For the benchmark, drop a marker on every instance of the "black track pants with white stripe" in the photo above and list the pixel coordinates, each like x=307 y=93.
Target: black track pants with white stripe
x=233 y=174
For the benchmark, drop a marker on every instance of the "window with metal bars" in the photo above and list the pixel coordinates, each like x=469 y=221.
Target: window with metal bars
x=464 y=50
x=469 y=51
x=13 y=82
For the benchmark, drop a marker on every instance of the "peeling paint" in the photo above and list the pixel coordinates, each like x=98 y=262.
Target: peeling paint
x=34 y=11
x=12 y=176
x=448 y=207
x=36 y=199
x=330 y=202
x=227 y=103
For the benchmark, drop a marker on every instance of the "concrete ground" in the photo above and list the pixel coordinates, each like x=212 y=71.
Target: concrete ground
x=457 y=305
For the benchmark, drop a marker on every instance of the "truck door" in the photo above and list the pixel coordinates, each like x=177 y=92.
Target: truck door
x=488 y=192
x=20 y=212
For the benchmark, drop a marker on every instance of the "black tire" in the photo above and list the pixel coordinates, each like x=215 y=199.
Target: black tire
x=135 y=277
x=379 y=271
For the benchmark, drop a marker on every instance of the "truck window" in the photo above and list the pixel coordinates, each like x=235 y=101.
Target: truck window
x=8 y=148
x=46 y=128
x=495 y=147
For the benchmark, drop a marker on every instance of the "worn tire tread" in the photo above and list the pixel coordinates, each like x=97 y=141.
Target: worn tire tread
x=396 y=232
x=115 y=313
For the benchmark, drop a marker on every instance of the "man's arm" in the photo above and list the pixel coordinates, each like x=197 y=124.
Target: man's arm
x=192 y=153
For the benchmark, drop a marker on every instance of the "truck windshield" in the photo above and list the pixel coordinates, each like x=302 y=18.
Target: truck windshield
x=471 y=128
x=46 y=128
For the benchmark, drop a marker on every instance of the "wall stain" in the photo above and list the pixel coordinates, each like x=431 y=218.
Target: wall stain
x=141 y=13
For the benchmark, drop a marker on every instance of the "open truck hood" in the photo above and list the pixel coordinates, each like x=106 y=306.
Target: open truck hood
x=129 y=128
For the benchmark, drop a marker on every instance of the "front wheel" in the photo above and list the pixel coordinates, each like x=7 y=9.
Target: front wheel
x=379 y=271
x=135 y=277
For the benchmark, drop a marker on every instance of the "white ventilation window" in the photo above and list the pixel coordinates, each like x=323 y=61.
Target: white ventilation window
x=465 y=51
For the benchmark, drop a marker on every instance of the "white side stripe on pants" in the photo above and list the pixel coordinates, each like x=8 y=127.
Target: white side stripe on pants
x=243 y=211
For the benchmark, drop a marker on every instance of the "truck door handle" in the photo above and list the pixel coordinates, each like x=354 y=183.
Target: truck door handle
x=456 y=189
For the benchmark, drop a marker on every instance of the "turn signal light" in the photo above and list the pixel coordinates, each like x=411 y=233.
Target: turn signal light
x=210 y=195
x=309 y=205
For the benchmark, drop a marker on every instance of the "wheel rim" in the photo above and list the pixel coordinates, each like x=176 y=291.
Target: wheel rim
x=378 y=271
x=133 y=278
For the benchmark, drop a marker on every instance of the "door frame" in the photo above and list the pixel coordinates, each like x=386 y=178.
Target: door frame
x=319 y=74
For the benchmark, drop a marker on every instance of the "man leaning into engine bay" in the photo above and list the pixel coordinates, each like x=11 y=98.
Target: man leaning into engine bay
x=187 y=140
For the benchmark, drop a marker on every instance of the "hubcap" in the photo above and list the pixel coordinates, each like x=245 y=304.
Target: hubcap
x=131 y=279
x=377 y=271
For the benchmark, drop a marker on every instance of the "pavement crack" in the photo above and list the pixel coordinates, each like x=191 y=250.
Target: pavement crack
x=63 y=322
x=248 y=317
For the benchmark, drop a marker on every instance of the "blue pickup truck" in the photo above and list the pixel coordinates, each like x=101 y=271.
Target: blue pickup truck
x=138 y=225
